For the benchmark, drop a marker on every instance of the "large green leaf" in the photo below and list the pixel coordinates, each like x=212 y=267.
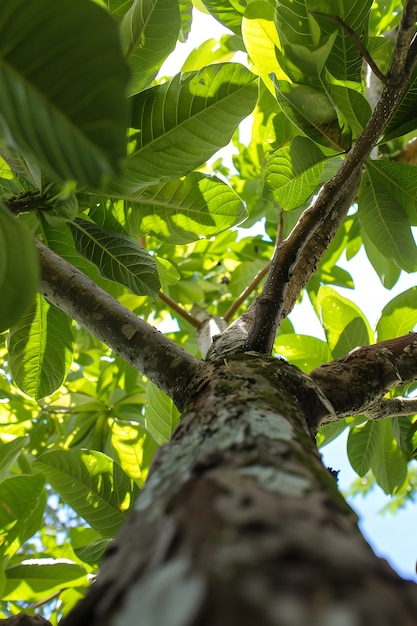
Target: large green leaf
x=23 y=500
x=161 y=415
x=362 y=445
x=388 y=271
x=314 y=113
x=40 y=349
x=185 y=210
x=344 y=61
x=389 y=464
x=344 y=323
x=63 y=81
x=400 y=184
x=177 y=126
x=303 y=351
x=399 y=316
x=118 y=257
x=293 y=172
x=133 y=445
x=92 y=484
x=149 y=32
x=29 y=582
x=19 y=269
x=352 y=107
x=384 y=220
x=9 y=452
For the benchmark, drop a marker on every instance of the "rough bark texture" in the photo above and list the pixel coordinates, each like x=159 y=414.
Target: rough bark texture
x=239 y=522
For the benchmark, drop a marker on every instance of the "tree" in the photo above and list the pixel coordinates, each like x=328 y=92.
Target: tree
x=238 y=521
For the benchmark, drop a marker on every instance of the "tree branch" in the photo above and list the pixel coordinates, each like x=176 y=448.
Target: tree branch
x=140 y=344
x=297 y=257
x=356 y=383
x=359 y=45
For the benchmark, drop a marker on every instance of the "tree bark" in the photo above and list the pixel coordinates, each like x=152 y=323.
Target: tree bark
x=240 y=523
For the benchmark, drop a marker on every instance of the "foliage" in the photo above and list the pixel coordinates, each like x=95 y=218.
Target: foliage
x=130 y=191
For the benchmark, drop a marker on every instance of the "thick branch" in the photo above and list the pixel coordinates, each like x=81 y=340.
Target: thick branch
x=297 y=257
x=138 y=343
x=356 y=383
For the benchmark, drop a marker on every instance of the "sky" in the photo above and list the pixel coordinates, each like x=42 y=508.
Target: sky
x=393 y=537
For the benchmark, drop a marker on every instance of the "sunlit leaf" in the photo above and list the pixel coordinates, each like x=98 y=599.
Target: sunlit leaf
x=34 y=579
x=344 y=323
x=185 y=210
x=362 y=445
x=23 y=500
x=389 y=465
x=92 y=484
x=19 y=269
x=293 y=172
x=177 y=126
x=399 y=316
x=385 y=222
x=62 y=92
x=40 y=349
x=118 y=257
x=9 y=452
x=303 y=351
x=149 y=32
x=161 y=415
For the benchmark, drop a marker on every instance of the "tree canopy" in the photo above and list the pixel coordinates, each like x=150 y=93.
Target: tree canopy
x=110 y=166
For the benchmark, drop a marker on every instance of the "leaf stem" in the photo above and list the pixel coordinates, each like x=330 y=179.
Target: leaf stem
x=359 y=45
x=179 y=310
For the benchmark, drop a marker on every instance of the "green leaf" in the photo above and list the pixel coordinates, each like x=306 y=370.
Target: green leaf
x=313 y=113
x=399 y=316
x=40 y=349
x=389 y=464
x=344 y=323
x=405 y=434
x=400 y=184
x=29 y=582
x=352 y=107
x=362 y=444
x=213 y=50
x=261 y=38
x=384 y=221
x=177 y=126
x=19 y=269
x=161 y=415
x=92 y=484
x=63 y=91
x=133 y=445
x=23 y=500
x=9 y=452
x=117 y=257
x=293 y=172
x=345 y=60
x=387 y=270
x=149 y=32
x=404 y=119
x=330 y=432
x=185 y=210
x=305 y=352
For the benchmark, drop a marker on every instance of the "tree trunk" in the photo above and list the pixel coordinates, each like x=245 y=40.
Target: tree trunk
x=239 y=522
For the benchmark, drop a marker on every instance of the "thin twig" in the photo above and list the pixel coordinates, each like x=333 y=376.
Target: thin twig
x=179 y=310
x=246 y=292
x=359 y=45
